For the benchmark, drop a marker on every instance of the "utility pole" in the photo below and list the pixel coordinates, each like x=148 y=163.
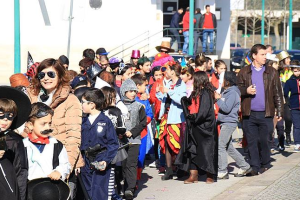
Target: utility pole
x=284 y=26
x=17 y=46
x=70 y=28
x=291 y=26
x=191 y=28
x=263 y=22
x=245 y=36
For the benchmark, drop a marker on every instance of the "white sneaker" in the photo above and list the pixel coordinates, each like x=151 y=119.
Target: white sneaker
x=223 y=176
x=242 y=172
x=297 y=148
x=154 y=164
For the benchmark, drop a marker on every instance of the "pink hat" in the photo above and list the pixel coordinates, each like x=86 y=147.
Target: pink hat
x=135 y=54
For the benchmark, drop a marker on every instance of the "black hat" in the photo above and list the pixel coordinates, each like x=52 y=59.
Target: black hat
x=80 y=91
x=22 y=102
x=64 y=59
x=101 y=51
x=45 y=188
x=93 y=71
x=230 y=77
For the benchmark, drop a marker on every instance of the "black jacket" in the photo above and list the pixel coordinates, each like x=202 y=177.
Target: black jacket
x=213 y=18
x=175 y=20
x=14 y=164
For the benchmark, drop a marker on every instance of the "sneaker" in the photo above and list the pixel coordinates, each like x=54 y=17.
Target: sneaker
x=161 y=171
x=128 y=194
x=116 y=197
x=280 y=148
x=223 y=176
x=297 y=148
x=242 y=172
x=154 y=164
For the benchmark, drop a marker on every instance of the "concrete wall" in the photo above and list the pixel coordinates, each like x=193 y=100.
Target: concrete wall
x=116 y=22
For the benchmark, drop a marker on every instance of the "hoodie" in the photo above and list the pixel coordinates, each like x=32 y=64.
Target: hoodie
x=229 y=105
x=292 y=92
x=136 y=119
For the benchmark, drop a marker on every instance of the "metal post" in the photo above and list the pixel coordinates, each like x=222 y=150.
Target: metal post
x=291 y=26
x=263 y=22
x=70 y=28
x=17 y=62
x=191 y=28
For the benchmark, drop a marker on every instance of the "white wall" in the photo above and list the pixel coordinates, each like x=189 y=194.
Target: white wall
x=116 y=22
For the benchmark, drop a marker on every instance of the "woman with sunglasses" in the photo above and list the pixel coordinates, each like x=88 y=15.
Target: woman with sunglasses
x=51 y=86
x=171 y=115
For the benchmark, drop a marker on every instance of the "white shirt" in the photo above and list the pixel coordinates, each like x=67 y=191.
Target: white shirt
x=40 y=165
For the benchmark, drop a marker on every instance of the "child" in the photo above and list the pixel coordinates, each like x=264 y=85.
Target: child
x=145 y=68
x=187 y=73
x=141 y=82
x=115 y=115
x=125 y=72
x=291 y=90
x=14 y=111
x=135 y=122
x=229 y=104
x=46 y=156
x=99 y=145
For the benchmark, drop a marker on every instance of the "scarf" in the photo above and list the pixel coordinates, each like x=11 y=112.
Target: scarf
x=39 y=140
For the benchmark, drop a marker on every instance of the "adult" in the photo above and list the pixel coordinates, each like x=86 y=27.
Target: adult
x=261 y=94
x=51 y=86
x=208 y=23
x=269 y=49
x=165 y=47
x=175 y=30
x=89 y=53
x=197 y=31
x=64 y=60
x=200 y=62
x=209 y=67
x=285 y=73
x=185 y=30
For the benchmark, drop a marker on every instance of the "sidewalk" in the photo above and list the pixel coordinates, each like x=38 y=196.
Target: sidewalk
x=282 y=181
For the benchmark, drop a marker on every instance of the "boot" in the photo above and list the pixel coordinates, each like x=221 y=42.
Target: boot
x=210 y=178
x=288 y=139
x=193 y=177
x=168 y=175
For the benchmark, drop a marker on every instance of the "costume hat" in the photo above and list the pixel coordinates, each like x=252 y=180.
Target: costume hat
x=101 y=51
x=93 y=71
x=165 y=45
x=282 y=55
x=22 y=102
x=135 y=54
x=45 y=188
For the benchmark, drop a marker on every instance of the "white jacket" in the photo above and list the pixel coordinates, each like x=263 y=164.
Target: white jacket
x=40 y=164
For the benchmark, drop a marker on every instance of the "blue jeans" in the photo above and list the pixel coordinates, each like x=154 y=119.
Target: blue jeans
x=186 y=42
x=210 y=34
x=197 y=35
x=175 y=36
x=296 y=124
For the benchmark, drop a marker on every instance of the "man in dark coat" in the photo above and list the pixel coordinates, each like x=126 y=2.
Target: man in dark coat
x=175 y=29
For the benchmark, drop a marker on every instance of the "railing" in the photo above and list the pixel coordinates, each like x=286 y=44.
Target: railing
x=146 y=43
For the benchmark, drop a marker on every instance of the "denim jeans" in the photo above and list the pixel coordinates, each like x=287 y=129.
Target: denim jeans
x=226 y=147
x=258 y=129
x=208 y=33
x=175 y=36
x=197 y=35
x=186 y=42
x=296 y=125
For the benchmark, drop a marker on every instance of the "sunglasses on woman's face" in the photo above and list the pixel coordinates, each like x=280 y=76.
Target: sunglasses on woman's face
x=50 y=74
x=163 y=69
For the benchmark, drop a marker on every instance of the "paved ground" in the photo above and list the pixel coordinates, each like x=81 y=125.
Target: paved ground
x=282 y=181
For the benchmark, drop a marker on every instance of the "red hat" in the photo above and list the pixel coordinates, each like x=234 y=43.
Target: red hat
x=136 y=54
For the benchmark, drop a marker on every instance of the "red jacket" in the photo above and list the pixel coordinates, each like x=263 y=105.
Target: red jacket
x=154 y=100
x=186 y=21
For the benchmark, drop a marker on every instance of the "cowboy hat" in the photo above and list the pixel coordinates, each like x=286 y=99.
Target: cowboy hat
x=22 y=102
x=282 y=55
x=165 y=45
x=45 y=188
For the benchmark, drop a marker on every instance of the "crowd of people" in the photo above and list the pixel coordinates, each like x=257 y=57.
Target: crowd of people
x=95 y=128
x=204 y=27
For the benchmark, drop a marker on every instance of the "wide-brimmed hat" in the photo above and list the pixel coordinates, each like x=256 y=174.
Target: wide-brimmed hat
x=45 y=188
x=136 y=54
x=101 y=51
x=165 y=45
x=282 y=55
x=22 y=102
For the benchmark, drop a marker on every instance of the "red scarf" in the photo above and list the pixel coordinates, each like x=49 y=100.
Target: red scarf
x=39 y=140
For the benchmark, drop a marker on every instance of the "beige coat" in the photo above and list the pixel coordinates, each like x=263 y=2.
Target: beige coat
x=66 y=121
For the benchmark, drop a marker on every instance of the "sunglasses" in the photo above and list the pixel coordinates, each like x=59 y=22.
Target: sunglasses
x=7 y=115
x=50 y=74
x=163 y=69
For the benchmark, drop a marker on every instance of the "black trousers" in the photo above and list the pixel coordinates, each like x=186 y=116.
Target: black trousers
x=258 y=129
x=287 y=119
x=129 y=166
x=280 y=132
